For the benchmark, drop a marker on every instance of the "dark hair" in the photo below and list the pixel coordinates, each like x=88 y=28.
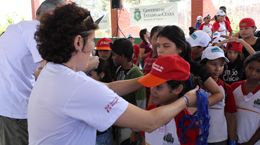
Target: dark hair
x=124 y=47
x=257 y=34
x=205 y=60
x=216 y=18
x=141 y=34
x=186 y=84
x=155 y=29
x=192 y=30
x=254 y=57
x=55 y=35
x=224 y=8
x=103 y=67
x=111 y=64
x=240 y=57
x=176 y=35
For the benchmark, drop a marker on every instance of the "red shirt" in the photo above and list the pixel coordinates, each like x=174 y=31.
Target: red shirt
x=192 y=133
x=216 y=26
x=148 y=61
x=136 y=54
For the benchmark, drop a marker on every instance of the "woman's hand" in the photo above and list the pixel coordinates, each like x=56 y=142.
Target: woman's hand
x=192 y=98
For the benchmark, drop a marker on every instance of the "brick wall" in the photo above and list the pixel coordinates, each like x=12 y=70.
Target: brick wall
x=200 y=8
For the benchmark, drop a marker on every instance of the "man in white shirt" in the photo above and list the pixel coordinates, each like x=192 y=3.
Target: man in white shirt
x=19 y=60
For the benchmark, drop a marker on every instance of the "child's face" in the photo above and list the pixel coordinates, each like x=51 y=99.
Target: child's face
x=207 y=20
x=154 y=41
x=131 y=39
x=253 y=71
x=246 y=32
x=220 y=18
x=163 y=95
x=215 y=67
x=196 y=50
x=117 y=59
x=232 y=55
x=93 y=74
x=200 y=21
x=166 y=47
x=105 y=54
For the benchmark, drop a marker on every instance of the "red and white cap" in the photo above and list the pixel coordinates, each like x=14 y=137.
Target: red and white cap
x=169 y=67
x=104 y=44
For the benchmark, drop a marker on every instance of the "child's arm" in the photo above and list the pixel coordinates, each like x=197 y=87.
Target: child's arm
x=253 y=139
x=230 y=109
x=216 y=93
x=248 y=47
x=230 y=33
x=231 y=126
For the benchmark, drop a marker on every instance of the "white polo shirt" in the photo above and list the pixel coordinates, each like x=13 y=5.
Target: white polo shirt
x=19 y=59
x=248 y=112
x=68 y=107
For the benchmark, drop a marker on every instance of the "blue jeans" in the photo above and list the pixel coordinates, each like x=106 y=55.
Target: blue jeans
x=105 y=139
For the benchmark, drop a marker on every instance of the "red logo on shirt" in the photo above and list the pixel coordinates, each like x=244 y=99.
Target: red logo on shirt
x=111 y=104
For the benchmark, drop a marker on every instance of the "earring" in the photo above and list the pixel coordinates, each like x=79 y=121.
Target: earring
x=78 y=51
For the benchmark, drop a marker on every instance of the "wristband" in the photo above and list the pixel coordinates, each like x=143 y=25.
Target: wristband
x=187 y=100
x=232 y=142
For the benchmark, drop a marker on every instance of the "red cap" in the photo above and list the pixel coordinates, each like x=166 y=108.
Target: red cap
x=169 y=67
x=247 y=22
x=103 y=44
x=235 y=46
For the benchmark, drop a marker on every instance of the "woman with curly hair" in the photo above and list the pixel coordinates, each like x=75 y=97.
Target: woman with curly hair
x=68 y=107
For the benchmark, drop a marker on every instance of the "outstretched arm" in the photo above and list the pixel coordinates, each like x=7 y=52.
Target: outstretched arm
x=148 y=121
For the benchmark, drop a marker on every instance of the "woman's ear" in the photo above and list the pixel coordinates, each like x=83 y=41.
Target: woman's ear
x=178 y=90
x=78 y=43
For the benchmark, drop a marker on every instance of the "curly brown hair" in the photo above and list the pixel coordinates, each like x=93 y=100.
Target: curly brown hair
x=55 y=35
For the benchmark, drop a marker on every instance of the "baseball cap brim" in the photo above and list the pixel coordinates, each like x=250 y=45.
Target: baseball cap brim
x=103 y=48
x=150 y=80
x=216 y=57
x=191 y=41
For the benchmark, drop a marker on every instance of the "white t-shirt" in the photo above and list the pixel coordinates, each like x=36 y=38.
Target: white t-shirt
x=19 y=59
x=67 y=107
x=218 y=123
x=207 y=29
x=248 y=112
x=222 y=28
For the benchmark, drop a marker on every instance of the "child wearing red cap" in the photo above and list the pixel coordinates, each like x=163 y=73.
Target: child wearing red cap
x=234 y=71
x=103 y=50
x=247 y=29
x=222 y=121
x=165 y=89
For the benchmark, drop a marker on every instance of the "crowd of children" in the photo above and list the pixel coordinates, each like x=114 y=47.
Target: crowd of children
x=215 y=60
x=225 y=66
